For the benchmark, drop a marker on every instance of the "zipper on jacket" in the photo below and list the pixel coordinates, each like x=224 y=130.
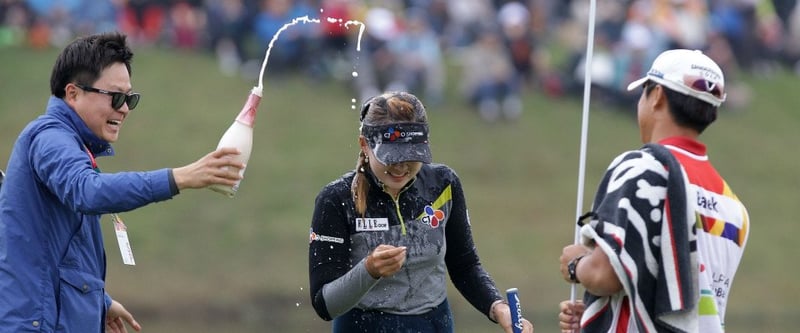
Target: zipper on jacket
x=400 y=216
x=397 y=204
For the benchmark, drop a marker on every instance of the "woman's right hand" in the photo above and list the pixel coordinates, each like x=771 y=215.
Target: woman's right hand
x=385 y=260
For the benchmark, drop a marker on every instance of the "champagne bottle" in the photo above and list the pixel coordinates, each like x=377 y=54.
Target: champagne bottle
x=240 y=135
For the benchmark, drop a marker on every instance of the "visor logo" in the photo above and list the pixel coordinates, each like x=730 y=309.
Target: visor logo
x=432 y=217
x=393 y=134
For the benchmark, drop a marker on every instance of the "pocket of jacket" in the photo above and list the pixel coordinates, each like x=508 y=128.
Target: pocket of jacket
x=81 y=301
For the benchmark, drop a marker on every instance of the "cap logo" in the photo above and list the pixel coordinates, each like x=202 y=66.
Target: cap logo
x=656 y=73
x=396 y=133
x=393 y=134
x=709 y=86
x=708 y=73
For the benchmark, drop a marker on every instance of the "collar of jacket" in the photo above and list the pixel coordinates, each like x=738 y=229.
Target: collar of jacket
x=57 y=108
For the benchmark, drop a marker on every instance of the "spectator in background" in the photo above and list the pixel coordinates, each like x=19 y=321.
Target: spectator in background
x=290 y=49
x=488 y=78
x=143 y=20
x=737 y=21
x=186 y=25
x=52 y=25
x=377 y=67
x=607 y=69
x=756 y=34
x=637 y=47
x=333 y=47
x=785 y=9
x=15 y=21
x=91 y=17
x=438 y=17
x=788 y=12
x=514 y=19
x=792 y=50
x=420 y=68
x=228 y=25
x=684 y=23
x=465 y=21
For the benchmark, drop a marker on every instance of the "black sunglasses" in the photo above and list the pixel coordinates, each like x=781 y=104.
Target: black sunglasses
x=117 y=98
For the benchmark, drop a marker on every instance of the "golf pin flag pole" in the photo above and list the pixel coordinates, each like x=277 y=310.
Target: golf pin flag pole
x=516 y=310
x=587 y=87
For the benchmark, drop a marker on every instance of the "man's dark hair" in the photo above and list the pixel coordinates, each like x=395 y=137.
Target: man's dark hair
x=83 y=60
x=686 y=110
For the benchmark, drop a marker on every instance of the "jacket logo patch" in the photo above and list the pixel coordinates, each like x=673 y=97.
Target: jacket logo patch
x=432 y=217
x=372 y=224
x=313 y=236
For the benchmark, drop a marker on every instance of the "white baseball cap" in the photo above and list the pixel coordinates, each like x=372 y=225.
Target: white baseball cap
x=689 y=72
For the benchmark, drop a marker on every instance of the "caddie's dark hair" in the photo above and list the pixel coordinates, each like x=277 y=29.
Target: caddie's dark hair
x=85 y=58
x=687 y=111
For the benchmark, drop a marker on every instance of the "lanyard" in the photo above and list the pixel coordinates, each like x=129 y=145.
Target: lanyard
x=91 y=157
x=119 y=226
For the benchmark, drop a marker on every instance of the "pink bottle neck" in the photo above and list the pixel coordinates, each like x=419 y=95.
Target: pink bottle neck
x=248 y=114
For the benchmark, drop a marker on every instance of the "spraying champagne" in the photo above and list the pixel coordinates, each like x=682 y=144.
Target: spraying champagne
x=240 y=136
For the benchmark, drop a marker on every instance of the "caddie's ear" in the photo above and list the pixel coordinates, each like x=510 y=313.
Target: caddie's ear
x=658 y=98
x=661 y=94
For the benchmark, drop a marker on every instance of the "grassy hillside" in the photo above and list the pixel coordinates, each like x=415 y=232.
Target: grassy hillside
x=206 y=263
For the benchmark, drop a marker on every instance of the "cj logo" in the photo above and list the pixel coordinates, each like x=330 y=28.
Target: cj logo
x=392 y=134
x=432 y=217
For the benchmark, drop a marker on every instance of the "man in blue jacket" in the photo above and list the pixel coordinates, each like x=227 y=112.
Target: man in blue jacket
x=52 y=259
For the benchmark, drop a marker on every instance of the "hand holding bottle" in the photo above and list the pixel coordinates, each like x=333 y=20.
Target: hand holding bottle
x=220 y=167
x=240 y=136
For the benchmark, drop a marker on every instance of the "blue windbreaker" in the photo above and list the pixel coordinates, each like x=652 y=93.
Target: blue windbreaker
x=52 y=260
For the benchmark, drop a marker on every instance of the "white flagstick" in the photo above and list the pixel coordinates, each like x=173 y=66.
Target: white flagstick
x=587 y=86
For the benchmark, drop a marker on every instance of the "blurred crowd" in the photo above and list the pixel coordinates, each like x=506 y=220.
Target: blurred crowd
x=494 y=50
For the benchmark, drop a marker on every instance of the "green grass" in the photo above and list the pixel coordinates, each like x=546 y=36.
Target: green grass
x=206 y=263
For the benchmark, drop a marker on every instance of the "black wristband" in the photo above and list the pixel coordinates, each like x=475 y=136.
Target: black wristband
x=572 y=268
